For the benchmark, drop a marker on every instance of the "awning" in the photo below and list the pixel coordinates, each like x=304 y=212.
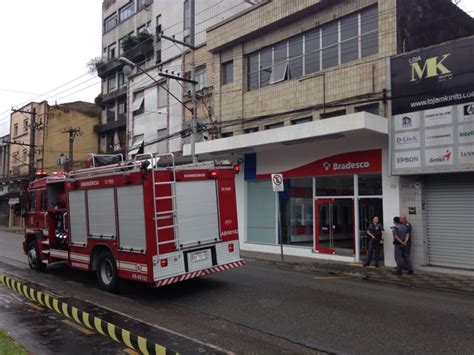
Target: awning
x=360 y=124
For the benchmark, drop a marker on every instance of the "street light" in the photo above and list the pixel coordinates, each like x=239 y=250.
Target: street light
x=127 y=70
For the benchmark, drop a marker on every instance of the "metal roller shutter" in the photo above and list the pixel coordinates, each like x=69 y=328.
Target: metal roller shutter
x=450 y=220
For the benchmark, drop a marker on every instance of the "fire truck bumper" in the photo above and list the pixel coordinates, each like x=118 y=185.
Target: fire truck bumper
x=191 y=275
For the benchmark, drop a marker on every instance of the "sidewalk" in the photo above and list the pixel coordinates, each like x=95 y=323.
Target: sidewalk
x=19 y=230
x=423 y=278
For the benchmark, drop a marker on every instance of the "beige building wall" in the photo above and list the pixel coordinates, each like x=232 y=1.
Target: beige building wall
x=237 y=108
x=57 y=141
x=20 y=128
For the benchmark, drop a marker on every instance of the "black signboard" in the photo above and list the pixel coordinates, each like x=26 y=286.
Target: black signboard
x=432 y=77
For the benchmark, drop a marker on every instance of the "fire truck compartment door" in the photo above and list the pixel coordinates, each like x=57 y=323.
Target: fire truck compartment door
x=131 y=217
x=77 y=216
x=197 y=213
x=101 y=212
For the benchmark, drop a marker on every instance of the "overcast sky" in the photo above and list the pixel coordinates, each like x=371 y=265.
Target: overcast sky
x=46 y=46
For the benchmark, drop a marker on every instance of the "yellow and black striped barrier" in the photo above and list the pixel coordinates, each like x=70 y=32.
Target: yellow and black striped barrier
x=98 y=325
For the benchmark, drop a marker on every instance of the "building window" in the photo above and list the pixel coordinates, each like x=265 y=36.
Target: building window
x=187 y=15
x=158 y=56
x=251 y=130
x=162 y=141
x=142 y=28
x=112 y=51
x=141 y=4
x=338 y=42
x=137 y=140
x=15 y=129
x=111 y=83
x=227 y=134
x=138 y=105
x=274 y=125
x=110 y=142
x=372 y=108
x=200 y=77
x=370 y=184
x=162 y=97
x=121 y=80
x=332 y=114
x=25 y=157
x=25 y=126
x=122 y=108
x=302 y=120
x=33 y=202
x=335 y=185
x=126 y=11
x=110 y=23
x=228 y=72
x=158 y=28
x=110 y=113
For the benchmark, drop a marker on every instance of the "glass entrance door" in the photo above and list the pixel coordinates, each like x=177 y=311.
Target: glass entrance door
x=334 y=227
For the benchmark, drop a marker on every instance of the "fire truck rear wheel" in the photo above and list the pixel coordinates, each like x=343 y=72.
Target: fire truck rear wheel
x=107 y=272
x=34 y=257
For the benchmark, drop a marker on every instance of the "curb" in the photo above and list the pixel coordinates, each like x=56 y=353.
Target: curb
x=87 y=320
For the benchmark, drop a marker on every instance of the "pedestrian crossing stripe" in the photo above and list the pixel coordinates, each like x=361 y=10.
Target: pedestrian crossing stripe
x=82 y=318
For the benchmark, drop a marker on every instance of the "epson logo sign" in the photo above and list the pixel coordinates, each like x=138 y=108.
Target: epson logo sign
x=405 y=160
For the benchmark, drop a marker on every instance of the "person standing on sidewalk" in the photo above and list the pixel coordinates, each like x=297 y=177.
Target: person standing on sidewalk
x=403 y=220
x=400 y=240
x=375 y=234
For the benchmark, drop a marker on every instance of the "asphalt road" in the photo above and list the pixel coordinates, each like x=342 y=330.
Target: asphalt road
x=268 y=309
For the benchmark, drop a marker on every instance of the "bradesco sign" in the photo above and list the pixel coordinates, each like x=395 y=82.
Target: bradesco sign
x=432 y=123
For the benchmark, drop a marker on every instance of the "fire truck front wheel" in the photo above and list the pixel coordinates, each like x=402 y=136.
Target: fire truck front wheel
x=107 y=272
x=34 y=258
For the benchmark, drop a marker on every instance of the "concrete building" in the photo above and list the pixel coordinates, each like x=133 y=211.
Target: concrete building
x=149 y=113
x=4 y=168
x=302 y=88
x=51 y=144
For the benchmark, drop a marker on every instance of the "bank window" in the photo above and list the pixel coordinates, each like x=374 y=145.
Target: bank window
x=296 y=212
x=110 y=22
x=342 y=185
x=126 y=11
x=251 y=130
x=261 y=213
x=371 y=108
x=341 y=41
x=370 y=185
x=228 y=72
x=302 y=120
x=337 y=113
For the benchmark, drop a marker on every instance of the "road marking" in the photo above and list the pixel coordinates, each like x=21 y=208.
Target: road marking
x=332 y=277
x=78 y=327
x=130 y=351
x=35 y=306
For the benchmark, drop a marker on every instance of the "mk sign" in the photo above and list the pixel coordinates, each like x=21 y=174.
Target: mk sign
x=430 y=68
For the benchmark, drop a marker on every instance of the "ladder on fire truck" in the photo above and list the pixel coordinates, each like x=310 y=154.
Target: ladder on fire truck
x=164 y=194
x=164 y=191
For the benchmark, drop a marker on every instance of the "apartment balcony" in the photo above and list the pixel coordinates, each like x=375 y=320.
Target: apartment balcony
x=107 y=97
x=140 y=51
x=106 y=69
x=111 y=126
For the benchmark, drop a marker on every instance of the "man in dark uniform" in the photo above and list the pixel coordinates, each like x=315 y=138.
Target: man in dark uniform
x=403 y=220
x=375 y=234
x=400 y=241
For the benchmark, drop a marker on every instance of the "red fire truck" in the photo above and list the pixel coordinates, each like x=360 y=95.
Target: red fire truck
x=147 y=220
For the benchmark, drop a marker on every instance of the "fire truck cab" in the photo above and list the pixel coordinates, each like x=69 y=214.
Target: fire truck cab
x=147 y=220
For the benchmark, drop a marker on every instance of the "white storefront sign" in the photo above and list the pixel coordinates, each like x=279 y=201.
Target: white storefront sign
x=466 y=154
x=407 y=121
x=466 y=133
x=404 y=160
x=466 y=112
x=439 y=136
x=407 y=140
x=440 y=156
x=438 y=116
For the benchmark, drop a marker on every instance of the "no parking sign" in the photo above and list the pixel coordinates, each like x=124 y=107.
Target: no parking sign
x=277 y=182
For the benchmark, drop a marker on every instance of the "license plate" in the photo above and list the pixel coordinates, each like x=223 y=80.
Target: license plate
x=199 y=256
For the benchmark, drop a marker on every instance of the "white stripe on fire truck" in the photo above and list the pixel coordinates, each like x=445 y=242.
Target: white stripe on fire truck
x=80 y=257
x=141 y=268
x=58 y=253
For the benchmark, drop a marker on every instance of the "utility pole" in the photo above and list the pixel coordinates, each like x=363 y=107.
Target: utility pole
x=193 y=86
x=73 y=133
x=31 y=158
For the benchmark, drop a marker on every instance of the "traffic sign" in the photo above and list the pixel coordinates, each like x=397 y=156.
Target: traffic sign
x=277 y=182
